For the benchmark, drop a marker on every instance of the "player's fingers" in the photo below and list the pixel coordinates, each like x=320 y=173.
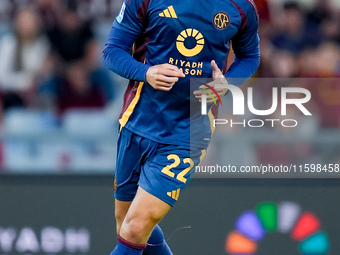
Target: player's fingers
x=222 y=92
x=203 y=87
x=198 y=92
x=210 y=101
x=215 y=67
x=166 y=79
x=220 y=89
x=210 y=91
x=171 y=67
x=216 y=71
x=163 y=88
x=165 y=84
x=172 y=71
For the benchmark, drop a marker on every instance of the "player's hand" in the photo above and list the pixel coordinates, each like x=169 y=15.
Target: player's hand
x=218 y=78
x=163 y=77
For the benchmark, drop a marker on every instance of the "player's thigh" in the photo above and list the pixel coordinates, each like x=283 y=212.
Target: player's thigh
x=147 y=206
x=130 y=148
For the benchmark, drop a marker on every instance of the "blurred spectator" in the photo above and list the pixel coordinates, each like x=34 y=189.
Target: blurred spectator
x=78 y=88
x=325 y=101
x=79 y=81
x=284 y=64
x=323 y=62
x=103 y=10
x=328 y=61
x=49 y=11
x=292 y=33
x=321 y=11
x=22 y=57
x=71 y=36
x=331 y=29
x=325 y=16
x=307 y=63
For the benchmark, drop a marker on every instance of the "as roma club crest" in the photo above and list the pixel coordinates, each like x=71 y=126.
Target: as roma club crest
x=221 y=20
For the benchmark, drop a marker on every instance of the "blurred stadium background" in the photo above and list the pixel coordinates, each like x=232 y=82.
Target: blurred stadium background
x=58 y=129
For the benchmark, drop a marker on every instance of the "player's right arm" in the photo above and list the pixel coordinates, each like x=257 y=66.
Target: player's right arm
x=116 y=55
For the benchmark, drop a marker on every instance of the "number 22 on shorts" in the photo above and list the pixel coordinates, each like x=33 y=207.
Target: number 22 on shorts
x=180 y=176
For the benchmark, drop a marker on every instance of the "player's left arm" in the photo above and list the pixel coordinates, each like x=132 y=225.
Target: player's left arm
x=246 y=45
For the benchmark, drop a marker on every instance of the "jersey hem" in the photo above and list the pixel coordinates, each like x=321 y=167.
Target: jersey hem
x=164 y=141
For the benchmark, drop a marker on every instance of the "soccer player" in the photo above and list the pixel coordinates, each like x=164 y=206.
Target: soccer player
x=171 y=42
